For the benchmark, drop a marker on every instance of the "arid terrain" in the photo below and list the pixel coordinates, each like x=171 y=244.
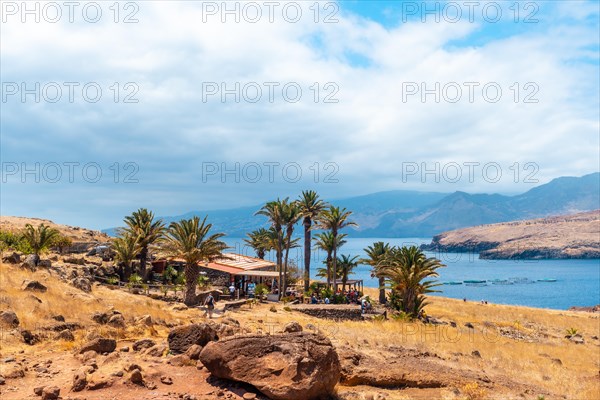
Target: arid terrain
x=571 y=236
x=65 y=335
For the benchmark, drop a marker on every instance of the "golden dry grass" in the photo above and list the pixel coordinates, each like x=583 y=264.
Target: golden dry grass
x=502 y=357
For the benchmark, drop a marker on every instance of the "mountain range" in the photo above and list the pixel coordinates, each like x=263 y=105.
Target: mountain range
x=401 y=213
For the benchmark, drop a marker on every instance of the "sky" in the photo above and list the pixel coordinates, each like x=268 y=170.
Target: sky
x=189 y=105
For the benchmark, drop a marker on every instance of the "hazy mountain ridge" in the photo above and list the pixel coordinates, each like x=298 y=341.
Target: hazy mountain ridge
x=401 y=213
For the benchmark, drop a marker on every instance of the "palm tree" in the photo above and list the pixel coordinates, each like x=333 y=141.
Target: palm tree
x=189 y=239
x=326 y=242
x=273 y=210
x=406 y=269
x=39 y=239
x=260 y=241
x=375 y=254
x=126 y=249
x=290 y=217
x=141 y=224
x=310 y=208
x=346 y=267
x=334 y=219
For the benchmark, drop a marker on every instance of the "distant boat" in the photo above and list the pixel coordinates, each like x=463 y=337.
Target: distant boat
x=547 y=280
x=474 y=281
x=453 y=283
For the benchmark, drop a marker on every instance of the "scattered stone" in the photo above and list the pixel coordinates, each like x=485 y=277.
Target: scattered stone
x=14 y=372
x=298 y=366
x=100 y=345
x=151 y=386
x=99 y=383
x=79 y=381
x=136 y=377
x=556 y=361
x=82 y=284
x=13 y=258
x=9 y=318
x=29 y=338
x=116 y=321
x=180 y=360
x=131 y=367
x=38 y=390
x=2 y=381
x=179 y=307
x=194 y=351
x=33 y=286
x=118 y=373
x=292 y=327
x=58 y=318
x=249 y=396
x=182 y=337
x=144 y=320
x=9 y=359
x=50 y=393
x=45 y=264
x=66 y=335
x=35 y=298
x=124 y=349
x=577 y=339
x=143 y=344
x=476 y=353
x=158 y=350
x=166 y=380
x=469 y=325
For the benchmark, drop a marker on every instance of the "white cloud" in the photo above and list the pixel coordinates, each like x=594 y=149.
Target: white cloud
x=369 y=133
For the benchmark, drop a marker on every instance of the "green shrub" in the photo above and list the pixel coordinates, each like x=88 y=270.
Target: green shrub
x=571 y=332
x=273 y=309
x=287 y=308
x=112 y=280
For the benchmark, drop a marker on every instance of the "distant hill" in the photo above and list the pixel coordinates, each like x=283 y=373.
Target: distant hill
x=403 y=213
x=570 y=236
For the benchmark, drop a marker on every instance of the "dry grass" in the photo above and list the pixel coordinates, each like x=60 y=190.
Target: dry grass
x=502 y=358
x=75 y=306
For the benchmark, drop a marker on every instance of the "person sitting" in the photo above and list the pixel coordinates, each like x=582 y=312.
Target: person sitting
x=326 y=300
x=313 y=299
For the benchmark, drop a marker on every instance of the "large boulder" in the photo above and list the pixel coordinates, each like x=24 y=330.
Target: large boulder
x=99 y=345
x=182 y=337
x=9 y=318
x=296 y=366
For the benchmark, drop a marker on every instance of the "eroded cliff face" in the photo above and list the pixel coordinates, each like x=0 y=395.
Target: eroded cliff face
x=561 y=237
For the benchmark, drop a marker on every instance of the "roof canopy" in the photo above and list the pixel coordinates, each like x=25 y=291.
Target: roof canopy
x=237 y=264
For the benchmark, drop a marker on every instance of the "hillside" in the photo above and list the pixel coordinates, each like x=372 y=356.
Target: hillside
x=403 y=213
x=75 y=233
x=570 y=236
x=469 y=351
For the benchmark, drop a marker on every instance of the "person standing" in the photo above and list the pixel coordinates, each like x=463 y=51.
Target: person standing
x=209 y=302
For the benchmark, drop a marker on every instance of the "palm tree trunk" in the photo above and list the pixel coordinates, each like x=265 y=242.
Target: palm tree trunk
x=143 y=256
x=334 y=263
x=287 y=252
x=191 y=279
x=307 y=238
x=328 y=271
x=126 y=271
x=382 y=299
x=279 y=262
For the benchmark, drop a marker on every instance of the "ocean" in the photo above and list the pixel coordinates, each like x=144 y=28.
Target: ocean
x=577 y=281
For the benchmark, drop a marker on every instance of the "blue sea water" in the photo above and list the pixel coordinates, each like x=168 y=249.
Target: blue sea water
x=577 y=281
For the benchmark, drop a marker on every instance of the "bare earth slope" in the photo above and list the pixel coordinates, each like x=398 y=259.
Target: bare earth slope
x=80 y=236
x=570 y=236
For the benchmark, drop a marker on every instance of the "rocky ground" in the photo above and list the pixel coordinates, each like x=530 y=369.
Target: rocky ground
x=570 y=236
x=65 y=335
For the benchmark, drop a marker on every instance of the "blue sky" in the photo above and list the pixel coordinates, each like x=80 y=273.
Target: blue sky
x=169 y=134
